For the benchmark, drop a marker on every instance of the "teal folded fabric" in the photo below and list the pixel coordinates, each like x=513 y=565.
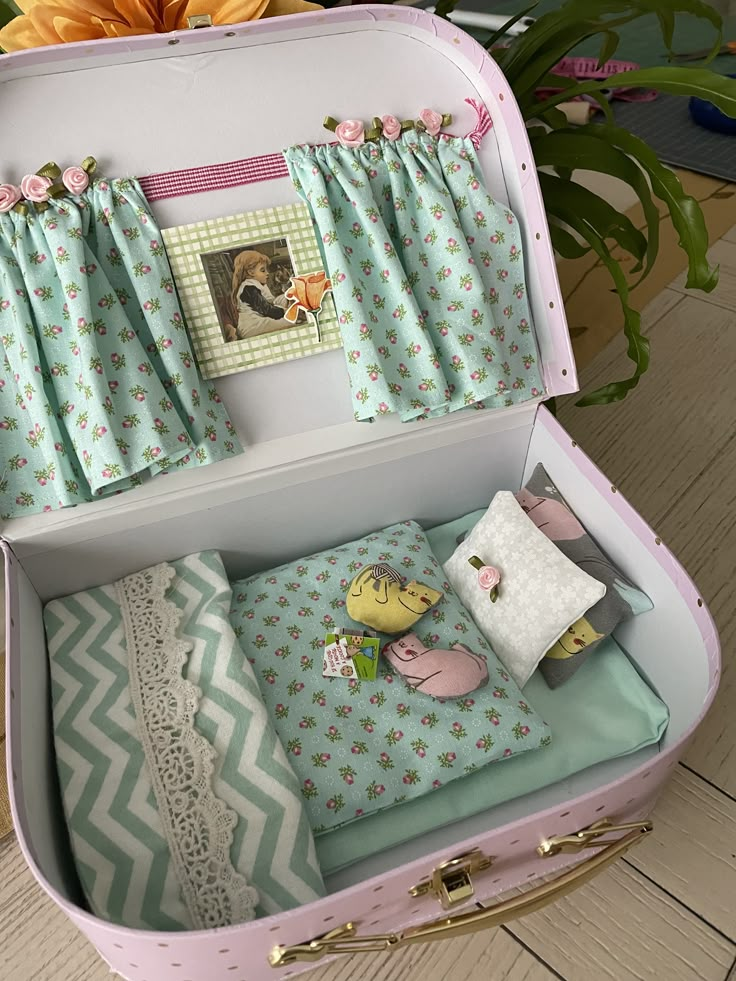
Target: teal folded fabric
x=605 y=711
x=182 y=809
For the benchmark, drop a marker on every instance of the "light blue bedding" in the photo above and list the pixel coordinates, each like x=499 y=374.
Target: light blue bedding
x=606 y=710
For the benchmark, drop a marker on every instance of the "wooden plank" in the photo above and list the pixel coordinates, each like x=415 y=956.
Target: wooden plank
x=702 y=528
x=680 y=417
x=621 y=927
x=6 y=820
x=691 y=853
x=491 y=954
x=682 y=477
x=612 y=363
x=37 y=941
x=730 y=236
x=722 y=253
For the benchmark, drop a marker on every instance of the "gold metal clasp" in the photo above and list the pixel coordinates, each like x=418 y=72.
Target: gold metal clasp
x=199 y=20
x=590 y=837
x=451 y=882
x=341 y=940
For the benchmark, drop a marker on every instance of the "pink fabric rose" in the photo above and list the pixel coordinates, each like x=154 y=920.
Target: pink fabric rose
x=75 y=180
x=391 y=127
x=35 y=188
x=9 y=196
x=432 y=121
x=488 y=577
x=350 y=133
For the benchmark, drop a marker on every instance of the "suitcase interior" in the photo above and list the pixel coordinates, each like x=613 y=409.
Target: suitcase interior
x=152 y=107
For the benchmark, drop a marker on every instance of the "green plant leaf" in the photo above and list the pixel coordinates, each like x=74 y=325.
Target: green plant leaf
x=700 y=82
x=554 y=118
x=552 y=81
x=566 y=244
x=666 y=20
x=563 y=196
x=575 y=149
x=555 y=34
x=6 y=14
x=443 y=7
x=638 y=345
x=608 y=49
x=525 y=77
x=503 y=31
x=685 y=212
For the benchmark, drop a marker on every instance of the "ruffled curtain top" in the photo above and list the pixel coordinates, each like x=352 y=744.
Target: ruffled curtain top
x=98 y=387
x=427 y=272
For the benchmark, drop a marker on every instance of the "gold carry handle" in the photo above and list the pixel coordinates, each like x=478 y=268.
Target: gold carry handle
x=342 y=940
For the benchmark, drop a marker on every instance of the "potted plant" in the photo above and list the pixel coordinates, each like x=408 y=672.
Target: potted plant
x=579 y=219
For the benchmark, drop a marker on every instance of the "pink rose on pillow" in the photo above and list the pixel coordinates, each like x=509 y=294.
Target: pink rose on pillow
x=9 y=196
x=391 y=127
x=432 y=121
x=488 y=577
x=35 y=188
x=350 y=133
x=75 y=180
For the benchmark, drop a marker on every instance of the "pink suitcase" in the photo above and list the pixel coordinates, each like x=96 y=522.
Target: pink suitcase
x=185 y=91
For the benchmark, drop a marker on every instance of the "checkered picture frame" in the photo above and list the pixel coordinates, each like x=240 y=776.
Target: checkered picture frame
x=185 y=245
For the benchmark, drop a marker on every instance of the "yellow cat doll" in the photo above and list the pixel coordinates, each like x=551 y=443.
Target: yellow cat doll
x=377 y=599
x=575 y=639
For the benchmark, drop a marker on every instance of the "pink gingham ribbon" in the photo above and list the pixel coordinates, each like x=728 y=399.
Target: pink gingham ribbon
x=483 y=125
x=216 y=177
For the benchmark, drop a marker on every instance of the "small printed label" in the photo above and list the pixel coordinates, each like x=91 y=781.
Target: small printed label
x=336 y=662
x=350 y=656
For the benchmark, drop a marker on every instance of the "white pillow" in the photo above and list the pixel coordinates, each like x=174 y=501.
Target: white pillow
x=541 y=592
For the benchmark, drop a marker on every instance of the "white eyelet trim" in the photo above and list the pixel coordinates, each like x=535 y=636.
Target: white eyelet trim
x=197 y=825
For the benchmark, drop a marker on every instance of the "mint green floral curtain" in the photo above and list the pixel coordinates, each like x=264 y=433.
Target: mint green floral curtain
x=427 y=272
x=99 y=387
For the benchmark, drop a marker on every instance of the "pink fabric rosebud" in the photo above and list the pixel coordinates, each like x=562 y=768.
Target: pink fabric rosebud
x=35 y=188
x=350 y=133
x=10 y=195
x=391 y=127
x=488 y=577
x=432 y=121
x=75 y=180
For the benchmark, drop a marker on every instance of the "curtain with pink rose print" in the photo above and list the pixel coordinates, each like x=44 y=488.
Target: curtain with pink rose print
x=98 y=387
x=427 y=273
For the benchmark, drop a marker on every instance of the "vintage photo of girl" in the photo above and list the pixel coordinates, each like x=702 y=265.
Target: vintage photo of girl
x=248 y=287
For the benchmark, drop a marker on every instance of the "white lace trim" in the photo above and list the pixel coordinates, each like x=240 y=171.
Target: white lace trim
x=197 y=825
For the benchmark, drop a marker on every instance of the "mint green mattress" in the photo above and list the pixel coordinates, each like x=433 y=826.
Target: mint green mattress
x=606 y=710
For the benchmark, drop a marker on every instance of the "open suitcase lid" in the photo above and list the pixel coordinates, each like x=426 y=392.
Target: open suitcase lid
x=153 y=104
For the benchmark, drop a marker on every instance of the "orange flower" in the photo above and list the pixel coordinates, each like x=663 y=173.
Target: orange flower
x=306 y=293
x=59 y=21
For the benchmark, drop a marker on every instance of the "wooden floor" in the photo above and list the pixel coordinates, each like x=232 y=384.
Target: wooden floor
x=668 y=911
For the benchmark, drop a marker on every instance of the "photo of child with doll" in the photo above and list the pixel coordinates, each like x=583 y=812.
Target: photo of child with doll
x=248 y=286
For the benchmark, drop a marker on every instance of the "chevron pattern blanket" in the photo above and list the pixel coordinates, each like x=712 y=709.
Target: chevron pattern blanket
x=182 y=808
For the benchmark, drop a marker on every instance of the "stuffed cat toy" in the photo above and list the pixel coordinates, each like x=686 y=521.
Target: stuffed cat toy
x=441 y=673
x=544 y=504
x=377 y=599
x=574 y=640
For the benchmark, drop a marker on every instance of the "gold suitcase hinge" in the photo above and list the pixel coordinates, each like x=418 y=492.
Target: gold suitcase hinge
x=451 y=881
x=590 y=837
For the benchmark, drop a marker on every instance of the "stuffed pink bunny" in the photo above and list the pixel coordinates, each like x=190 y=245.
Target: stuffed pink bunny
x=441 y=673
